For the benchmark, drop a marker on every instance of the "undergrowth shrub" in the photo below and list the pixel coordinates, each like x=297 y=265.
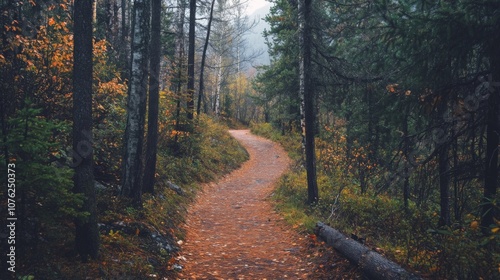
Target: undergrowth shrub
x=408 y=236
x=43 y=183
x=208 y=152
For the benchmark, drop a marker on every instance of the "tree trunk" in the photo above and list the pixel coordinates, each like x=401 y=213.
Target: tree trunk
x=218 y=87
x=406 y=153
x=203 y=57
x=444 y=186
x=307 y=96
x=124 y=30
x=125 y=33
x=191 y=51
x=136 y=105
x=373 y=265
x=456 y=196
x=441 y=139
x=154 y=98
x=180 y=67
x=86 y=231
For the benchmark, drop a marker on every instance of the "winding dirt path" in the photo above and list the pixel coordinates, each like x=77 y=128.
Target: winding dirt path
x=232 y=230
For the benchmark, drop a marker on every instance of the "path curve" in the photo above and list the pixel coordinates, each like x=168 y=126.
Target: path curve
x=232 y=230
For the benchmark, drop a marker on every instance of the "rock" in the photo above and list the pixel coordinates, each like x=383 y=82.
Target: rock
x=177 y=267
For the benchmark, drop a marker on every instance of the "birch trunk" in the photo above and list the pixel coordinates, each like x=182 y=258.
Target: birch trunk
x=218 y=87
x=136 y=105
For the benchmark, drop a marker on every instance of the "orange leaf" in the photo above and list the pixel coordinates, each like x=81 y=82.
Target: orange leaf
x=52 y=21
x=474 y=225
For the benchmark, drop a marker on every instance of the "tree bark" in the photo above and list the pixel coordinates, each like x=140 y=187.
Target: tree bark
x=180 y=45
x=373 y=265
x=136 y=105
x=124 y=37
x=124 y=29
x=444 y=168
x=86 y=230
x=203 y=57
x=154 y=99
x=218 y=85
x=307 y=96
x=406 y=153
x=191 y=51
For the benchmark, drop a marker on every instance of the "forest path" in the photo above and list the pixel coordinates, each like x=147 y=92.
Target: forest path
x=233 y=231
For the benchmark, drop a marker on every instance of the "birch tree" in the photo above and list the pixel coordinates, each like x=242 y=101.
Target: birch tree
x=136 y=103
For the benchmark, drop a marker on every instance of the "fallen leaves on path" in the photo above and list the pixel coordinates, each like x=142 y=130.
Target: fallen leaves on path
x=232 y=230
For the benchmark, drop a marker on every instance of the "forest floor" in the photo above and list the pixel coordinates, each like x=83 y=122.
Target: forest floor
x=233 y=232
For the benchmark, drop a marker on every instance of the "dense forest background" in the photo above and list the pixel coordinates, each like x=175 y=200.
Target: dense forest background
x=407 y=124
x=107 y=106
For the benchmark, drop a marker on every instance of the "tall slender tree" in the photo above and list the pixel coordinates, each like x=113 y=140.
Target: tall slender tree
x=180 y=45
x=124 y=38
x=136 y=103
x=154 y=98
x=307 y=96
x=87 y=233
x=191 y=52
x=124 y=27
x=203 y=58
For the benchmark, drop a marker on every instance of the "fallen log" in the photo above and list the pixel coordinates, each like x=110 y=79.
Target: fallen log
x=372 y=264
x=175 y=188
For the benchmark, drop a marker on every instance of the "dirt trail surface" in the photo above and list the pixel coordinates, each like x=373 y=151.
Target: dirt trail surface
x=232 y=230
